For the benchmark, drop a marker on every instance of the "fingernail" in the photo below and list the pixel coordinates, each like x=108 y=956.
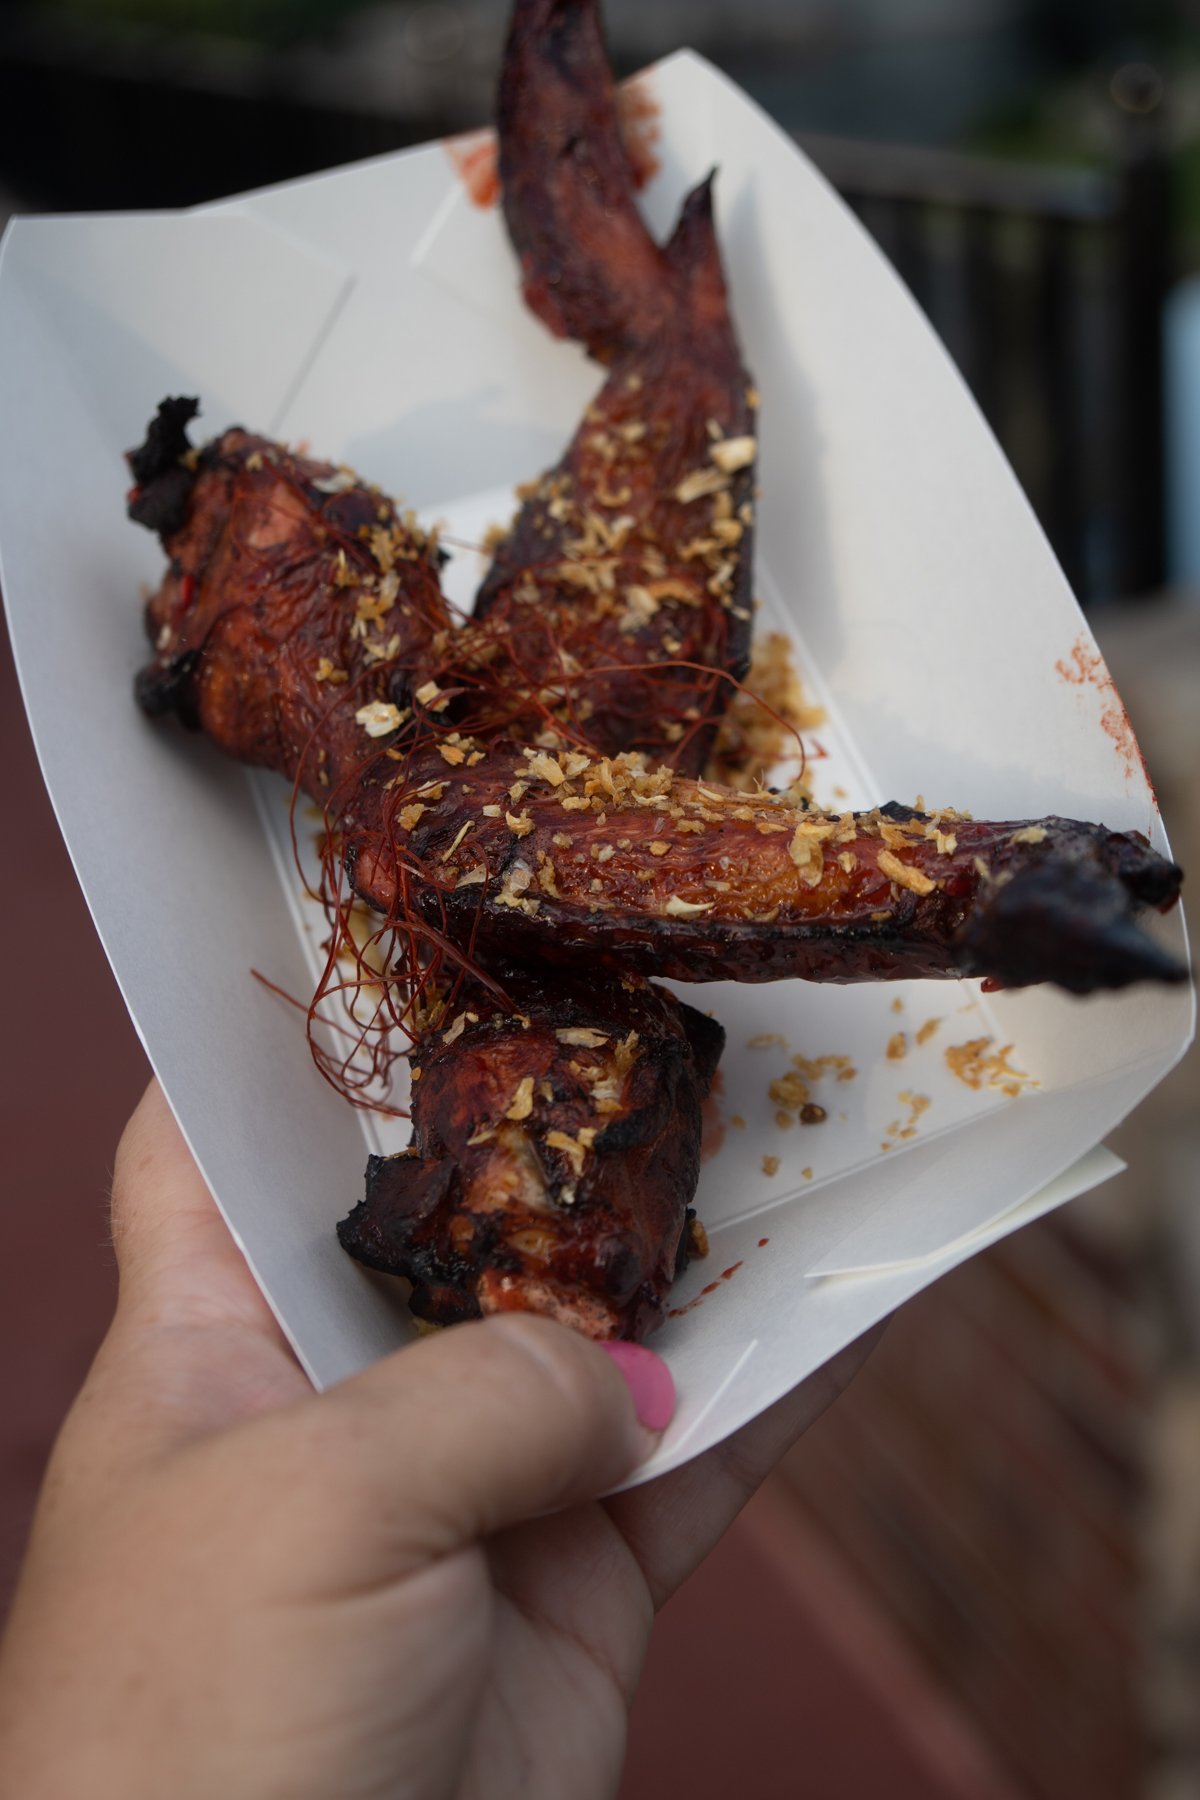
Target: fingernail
x=649 y=1381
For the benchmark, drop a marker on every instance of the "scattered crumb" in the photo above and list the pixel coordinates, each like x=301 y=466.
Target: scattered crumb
x=789 y=1091
x=924 y=1032
x=738 y=1121
x=978 y=1066
x=897 y=1004
x=759 y=728
x=765 y=1040
x=812 y=1068
x=903 y=1130
x=897 y=1048
x=807 y=1174
x=770 y=1165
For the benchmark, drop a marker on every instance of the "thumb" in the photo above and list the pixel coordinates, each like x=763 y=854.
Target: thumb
x=482 y=1426
x=177 y=1261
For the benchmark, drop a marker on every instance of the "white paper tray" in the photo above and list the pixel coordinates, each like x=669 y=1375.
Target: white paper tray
x=374 y=313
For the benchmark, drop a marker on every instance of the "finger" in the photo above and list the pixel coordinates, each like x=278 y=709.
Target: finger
x=174 y=1252
x=460 y=1435
x=193 y=1347
x=671 y=1524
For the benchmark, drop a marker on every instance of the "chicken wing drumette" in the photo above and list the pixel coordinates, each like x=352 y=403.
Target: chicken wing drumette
x=296 y=598
x=555 y=1150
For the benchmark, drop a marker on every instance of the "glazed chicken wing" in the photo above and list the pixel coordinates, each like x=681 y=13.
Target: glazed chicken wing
x=555 y=1150
x=295 y=597
x=633 y=554
x=600 y=859
x=624 y=582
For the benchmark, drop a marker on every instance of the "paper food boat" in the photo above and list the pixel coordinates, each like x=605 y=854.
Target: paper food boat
x=374 y=313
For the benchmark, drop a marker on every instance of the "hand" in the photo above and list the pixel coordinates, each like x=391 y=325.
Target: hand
x=403 y=1586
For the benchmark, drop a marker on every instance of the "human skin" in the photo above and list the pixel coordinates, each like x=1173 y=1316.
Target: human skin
x=404 y=1586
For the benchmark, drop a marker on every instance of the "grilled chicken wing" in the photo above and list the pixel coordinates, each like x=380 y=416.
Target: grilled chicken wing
x=295 y=597
x=622 y=591
x=590 y=270
x=555 y=1150
x=634 y=552
x=604 y=860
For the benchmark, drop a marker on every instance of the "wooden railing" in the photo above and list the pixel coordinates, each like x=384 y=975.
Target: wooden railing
x=1047 y=286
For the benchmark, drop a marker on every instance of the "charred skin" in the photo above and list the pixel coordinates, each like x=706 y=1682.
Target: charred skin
x=589 y=269
x=579 y=859
x=633 y=555
x=294 y=596
x=623 y=588
x=550 y=1153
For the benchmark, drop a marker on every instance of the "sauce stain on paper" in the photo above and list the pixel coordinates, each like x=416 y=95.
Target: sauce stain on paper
x=475 y=161
x=677 y=1312
x=1085 y=667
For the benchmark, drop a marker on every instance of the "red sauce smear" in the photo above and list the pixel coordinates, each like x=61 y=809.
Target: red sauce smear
x=475 y=153
x=1085 y=667
x=474 y=158
x=763 y=1242
x=677 y=1312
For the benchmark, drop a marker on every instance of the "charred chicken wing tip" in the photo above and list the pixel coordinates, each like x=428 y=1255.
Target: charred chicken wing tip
x=163 y=480
x=1069 y=917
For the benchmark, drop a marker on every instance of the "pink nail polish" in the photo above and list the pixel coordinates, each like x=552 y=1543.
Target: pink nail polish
x=649 y=1381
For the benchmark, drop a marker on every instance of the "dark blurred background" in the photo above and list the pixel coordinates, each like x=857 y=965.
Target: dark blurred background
x=1032 y=167
x=980 y=1576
